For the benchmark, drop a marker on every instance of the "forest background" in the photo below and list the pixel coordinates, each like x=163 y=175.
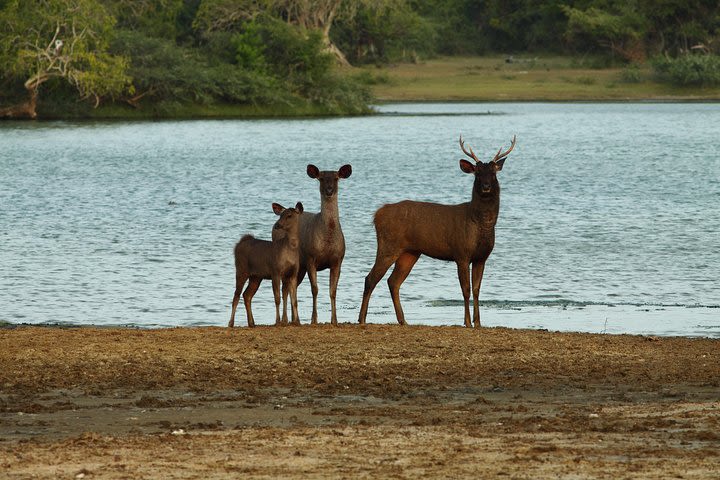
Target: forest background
x=171 y=58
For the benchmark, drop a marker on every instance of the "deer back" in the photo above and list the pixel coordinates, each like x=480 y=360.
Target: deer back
x=254 y=256
x=445 y=232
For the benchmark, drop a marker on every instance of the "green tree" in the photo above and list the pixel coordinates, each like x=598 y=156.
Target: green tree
x=166 y=75
x=64 y=39
x=387 y=30
x=676 y=26
x=620 y=27
x=321 y=15
x=156 y=18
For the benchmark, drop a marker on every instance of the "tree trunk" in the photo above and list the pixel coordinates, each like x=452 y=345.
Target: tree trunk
x=632 y=50
x=22 y=110
x=339 y=56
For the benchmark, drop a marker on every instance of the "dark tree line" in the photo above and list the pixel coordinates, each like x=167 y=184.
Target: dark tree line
x=163 y=53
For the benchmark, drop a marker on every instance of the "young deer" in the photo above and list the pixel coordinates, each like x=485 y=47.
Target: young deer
x=278 y=260
x=322 y=244
x=463 y=233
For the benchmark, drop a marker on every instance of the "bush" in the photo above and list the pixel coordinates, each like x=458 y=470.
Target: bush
x=339 y=95
x=270 y=63
x=291 y=52
x=631 y=74
x=366 y=77
x=166 y=72
x=249 y=48
x=299 y=59
x=689 y=70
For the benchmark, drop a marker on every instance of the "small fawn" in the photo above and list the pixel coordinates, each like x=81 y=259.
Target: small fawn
x=278 y=260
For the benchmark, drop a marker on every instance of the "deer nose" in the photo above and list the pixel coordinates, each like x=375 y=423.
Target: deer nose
x=329 y=191
x=485 y=187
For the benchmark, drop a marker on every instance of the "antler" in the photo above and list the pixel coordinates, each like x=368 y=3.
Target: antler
x=470 y=154
x=499 y=156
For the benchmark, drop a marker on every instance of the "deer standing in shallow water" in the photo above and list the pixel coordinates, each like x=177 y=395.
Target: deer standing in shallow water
x=322 y=244
x=463 y=233
x=278 y=260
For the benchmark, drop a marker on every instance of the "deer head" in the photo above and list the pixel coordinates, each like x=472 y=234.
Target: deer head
x=329 y=179
x=288 y=216
x=486 y=183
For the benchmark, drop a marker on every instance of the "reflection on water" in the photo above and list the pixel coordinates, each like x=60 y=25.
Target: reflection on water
x=608 y=217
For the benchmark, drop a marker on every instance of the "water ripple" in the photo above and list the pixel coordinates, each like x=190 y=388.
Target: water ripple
x=133 y=223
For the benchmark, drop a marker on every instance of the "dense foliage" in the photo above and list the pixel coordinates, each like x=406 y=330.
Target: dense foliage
x=689 y=70
x=63 y=39
x=161 y=54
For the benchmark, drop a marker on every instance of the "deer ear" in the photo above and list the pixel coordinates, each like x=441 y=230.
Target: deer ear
x=466 y=166
x=497 y=166
x=345 y=171
x=299 y=207
x=313 y=171
x=277 y=208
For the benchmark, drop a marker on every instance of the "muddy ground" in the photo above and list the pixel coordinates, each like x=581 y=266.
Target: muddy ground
x=379 y=401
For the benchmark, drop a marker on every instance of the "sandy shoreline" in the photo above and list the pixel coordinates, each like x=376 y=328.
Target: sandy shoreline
x=379 y=401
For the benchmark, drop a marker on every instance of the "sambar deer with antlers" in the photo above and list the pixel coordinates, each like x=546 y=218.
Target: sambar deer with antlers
x=463 y=233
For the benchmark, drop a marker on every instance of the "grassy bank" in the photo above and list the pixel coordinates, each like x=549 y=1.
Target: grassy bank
x=189 y=111
x=525 y=78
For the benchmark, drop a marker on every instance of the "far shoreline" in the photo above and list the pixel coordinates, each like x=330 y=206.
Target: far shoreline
x=678 y=100
x=379 y=103
x=451 y=80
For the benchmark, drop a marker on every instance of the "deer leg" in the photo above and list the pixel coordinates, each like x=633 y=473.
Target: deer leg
x=376 y=273
x=477 y=273
x=285 y=291
x=248 y=295
x=464 y=277
x=300 y=275
x=403 y=265
x=312 y=275
x=334 y=279
x=276 y=294
x=293 y=300
x=240 y=280
x=298 y=280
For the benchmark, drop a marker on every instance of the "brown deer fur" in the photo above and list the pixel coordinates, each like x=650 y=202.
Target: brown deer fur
x=322 y=244
x=463 y=233
x=278 y=260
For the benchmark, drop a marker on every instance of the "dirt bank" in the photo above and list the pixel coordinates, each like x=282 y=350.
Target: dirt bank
x=379 y=401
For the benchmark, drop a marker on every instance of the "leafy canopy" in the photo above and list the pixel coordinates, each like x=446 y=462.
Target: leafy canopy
x=68 y=39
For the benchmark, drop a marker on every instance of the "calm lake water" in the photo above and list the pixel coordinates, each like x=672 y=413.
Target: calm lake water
x=609 y=218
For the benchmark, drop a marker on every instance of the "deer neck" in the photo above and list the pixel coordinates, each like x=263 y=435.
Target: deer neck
x=329 y=210
x=485 y=209
x=293 y=238
x=286 y=240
